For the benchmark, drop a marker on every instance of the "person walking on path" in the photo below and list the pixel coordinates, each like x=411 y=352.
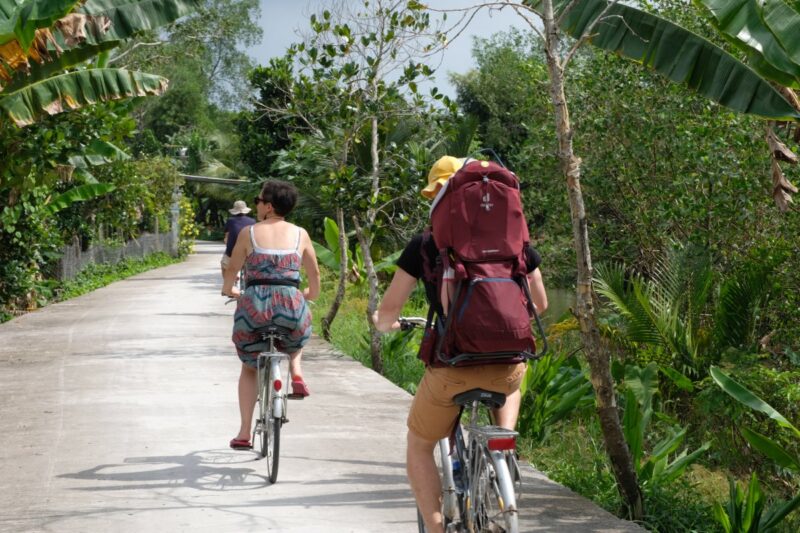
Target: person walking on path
x=233 y=226
x=433 y=412
x=272 y=252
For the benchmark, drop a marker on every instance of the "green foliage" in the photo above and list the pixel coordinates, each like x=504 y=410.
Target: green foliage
x=330 y=256
x=188 y=229
x=573 y=456
x=95 y=276
x=399 y=356
x=666 y=317
x=81 y=193
x=747 y=512
x=43 y=88
x=765 y=31
x=769 y=447
x=674 y=52
x=553 y=387
x=660 y=466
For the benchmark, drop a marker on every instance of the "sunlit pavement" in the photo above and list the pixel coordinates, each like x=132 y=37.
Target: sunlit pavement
x=116 y=409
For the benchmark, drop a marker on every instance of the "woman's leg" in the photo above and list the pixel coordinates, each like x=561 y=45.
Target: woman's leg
x=247 y=400
x=294 y=365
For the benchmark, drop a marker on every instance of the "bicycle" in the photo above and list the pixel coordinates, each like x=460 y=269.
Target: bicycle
x=272 y=398
x=481 y=481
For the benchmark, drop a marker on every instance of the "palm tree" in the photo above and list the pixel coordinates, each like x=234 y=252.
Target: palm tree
x=680 y=317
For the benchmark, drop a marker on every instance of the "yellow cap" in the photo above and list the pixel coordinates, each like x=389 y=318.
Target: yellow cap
x=441 y=171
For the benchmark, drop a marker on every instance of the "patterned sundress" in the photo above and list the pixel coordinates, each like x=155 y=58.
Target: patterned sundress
x=261 y=305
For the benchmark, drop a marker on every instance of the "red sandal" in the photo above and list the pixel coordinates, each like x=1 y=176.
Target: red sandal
x=241 y=444
x=299 y=387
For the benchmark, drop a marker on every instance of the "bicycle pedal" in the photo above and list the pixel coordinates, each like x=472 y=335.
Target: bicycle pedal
x=296 y=396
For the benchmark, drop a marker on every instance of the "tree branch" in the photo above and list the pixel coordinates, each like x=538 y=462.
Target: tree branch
x=132 y=48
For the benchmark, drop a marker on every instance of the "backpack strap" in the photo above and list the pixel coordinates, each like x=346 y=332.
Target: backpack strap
x=428 y=269
x=431 y=269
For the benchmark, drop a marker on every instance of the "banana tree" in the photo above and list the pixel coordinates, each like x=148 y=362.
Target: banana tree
x=768 y=31
x=44 y=42
x=769 y=447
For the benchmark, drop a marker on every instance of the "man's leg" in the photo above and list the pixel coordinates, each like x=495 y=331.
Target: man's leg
x=424 y=479
x=506 y=416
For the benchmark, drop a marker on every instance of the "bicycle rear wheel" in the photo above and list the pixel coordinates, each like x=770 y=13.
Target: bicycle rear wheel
x=273 y=442
x=264 y=412
x=494 y=495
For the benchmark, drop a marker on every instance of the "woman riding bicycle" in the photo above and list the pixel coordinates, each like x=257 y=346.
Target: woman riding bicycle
x=433 y=411
x=272 y=252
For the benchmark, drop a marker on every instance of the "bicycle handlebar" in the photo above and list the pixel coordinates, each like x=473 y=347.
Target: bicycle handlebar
x=411 y=322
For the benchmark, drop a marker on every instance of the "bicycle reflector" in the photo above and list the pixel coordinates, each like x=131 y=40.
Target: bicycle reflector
x=502 y=443
x=277 y=385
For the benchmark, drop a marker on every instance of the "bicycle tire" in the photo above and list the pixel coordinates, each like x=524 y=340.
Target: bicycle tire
x=273 y=448
x=495 y=498
x=264 y=412
x=420 y=522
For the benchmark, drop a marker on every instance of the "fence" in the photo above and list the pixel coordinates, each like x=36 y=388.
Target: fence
x=74 y=259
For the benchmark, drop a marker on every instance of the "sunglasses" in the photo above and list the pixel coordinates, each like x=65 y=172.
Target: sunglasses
x=258 y=200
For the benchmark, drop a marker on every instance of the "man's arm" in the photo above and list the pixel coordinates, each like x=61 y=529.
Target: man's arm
x=385 y=318
x=538 y=292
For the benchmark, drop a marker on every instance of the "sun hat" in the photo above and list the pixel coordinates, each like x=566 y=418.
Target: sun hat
x=239 y=208
x=441 y=171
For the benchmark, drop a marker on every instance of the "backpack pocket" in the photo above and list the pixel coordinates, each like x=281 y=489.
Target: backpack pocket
x=491 y=317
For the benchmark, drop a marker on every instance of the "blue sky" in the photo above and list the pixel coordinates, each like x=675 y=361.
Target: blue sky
x=280 y=20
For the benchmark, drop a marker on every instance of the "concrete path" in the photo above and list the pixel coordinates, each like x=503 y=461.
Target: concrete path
x=116 y=409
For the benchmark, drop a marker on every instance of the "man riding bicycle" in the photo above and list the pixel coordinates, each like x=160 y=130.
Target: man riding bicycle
x=433 y=413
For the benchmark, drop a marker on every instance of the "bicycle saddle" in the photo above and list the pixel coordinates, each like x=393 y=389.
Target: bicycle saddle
x=272 y=330
x=490 y=399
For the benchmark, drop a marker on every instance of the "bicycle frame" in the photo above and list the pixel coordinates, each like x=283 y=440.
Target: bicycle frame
x=461 y=498
x=273 y=358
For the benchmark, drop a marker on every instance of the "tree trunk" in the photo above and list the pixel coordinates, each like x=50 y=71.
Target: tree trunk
x=597 y=357
x=372 y=303
x=365 y=241
x=343 y=266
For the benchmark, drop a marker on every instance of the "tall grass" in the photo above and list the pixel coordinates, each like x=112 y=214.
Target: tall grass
x=350 y=332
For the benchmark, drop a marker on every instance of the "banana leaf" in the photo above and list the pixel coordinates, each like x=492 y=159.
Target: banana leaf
x=81 y=193
x=676 y=53
x=20 y=20
x=326 y=257
x=75 y=90
x=98 y=153
x=68 y=59
x=743 y=395
x=771 y=449
x=742 y=21
x=784 y=22
x=130 y=17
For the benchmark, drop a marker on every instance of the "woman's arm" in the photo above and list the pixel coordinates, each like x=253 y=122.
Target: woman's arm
x=238 y=256
x=538 y=293
x=385 y=318
x=311 y=267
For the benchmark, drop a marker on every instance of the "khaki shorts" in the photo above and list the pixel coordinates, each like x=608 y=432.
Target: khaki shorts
x=433 y=413
x=225 y=261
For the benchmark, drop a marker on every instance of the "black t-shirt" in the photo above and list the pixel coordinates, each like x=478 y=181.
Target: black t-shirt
x=234 y=225
x=412 y=262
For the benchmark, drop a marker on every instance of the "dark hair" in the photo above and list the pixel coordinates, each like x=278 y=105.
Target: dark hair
x=281 y=194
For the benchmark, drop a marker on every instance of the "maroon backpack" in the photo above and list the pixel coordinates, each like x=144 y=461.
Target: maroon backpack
x=480 y=231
